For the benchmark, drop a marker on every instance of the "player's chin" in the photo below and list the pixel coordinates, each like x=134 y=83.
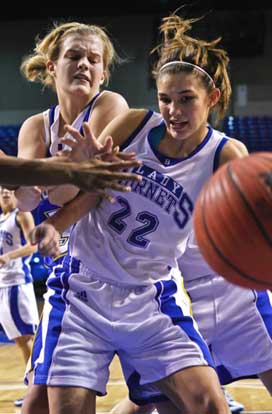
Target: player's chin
x=83 y=89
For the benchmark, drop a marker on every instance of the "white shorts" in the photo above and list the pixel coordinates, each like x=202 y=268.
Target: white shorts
x=19 y=312
x=236 y=324
x=87 y=321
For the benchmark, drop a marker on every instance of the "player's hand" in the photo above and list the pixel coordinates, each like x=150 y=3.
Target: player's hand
x=4 y=260
x=47 y=238
x=97 y=175
x=82 y=147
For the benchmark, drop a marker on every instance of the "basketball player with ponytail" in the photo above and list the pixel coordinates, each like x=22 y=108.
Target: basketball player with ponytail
x=192 y=81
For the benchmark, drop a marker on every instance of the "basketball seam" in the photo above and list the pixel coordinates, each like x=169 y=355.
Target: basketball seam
x=247 y=205
x=220 y=254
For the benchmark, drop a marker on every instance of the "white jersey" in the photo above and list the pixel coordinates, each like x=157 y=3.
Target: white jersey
x=137 y=239
x=17 y=271
x=53 y=143
x=51 y=124
x=192 y=264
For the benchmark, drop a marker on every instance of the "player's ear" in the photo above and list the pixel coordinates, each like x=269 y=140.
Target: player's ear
x=103 y=77
x=50 y=67
x=214 y=97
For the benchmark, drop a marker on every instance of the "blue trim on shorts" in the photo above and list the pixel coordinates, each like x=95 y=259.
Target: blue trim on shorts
x=36 y=349
x=166 y=290
x=23 y=328
x=265 y=309
x=59 y=283
x=226 y=378
x=149 y=393
x=143 y=394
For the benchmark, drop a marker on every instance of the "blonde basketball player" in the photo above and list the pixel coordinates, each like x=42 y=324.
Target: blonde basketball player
x=73 y=59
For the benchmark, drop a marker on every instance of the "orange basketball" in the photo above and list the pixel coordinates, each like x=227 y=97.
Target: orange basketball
x=233 y=221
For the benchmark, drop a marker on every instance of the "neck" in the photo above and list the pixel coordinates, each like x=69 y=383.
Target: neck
x=175 y=148
x=7 y=209
x=71 y=108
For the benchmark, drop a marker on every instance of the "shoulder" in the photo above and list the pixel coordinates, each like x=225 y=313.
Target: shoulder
x=25 y=219
x=110 y=97
x=24 y=215
x=34 y=121
x=133 y=116
x=111 y=102
x=107 y=106
x=31 y=140
x=232 y=149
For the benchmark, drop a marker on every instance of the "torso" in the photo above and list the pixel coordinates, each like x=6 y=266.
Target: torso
x=137 y=239
x=51 y=123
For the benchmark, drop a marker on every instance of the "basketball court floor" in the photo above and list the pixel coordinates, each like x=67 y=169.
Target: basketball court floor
x=249 y=392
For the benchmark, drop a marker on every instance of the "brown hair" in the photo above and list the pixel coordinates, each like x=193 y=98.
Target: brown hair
x=178 y=46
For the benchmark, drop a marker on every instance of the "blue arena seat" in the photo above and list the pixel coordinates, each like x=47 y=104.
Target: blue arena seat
x=9 y=138
x=254 y=131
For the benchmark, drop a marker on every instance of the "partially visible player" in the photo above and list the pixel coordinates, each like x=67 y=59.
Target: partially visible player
x=19 y=313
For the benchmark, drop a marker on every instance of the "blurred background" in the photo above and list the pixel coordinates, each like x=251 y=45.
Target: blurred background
x=246 y=32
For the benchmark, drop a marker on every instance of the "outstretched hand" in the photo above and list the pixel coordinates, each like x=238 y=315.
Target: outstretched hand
x=97 y=175
x=82 y=147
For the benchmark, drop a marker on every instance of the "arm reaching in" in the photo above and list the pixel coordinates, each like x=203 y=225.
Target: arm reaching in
x=92 y=175
x=46 y=235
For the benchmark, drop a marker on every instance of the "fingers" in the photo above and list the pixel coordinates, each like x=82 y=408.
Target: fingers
x=126 y=155
x=117 y=176
x=114 y=186
x=107 y=147
x=96 y=164
x=49 y=247
x=74 y=133
x=47 y=239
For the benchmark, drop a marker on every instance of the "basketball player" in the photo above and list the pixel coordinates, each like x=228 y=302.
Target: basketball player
x=19 y=313
x=235 y=322
x=73 y=59
x=118 y=280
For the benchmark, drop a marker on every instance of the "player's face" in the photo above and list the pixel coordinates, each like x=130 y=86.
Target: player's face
x=7 y=199
x=184 y=104
x=79 y=69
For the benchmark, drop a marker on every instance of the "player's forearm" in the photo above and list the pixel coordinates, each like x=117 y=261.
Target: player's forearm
x=73 y=211
x=33 y=172
x=62 y=194
x=23 y=251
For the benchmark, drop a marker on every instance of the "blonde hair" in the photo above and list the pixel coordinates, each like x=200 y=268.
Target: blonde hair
x=178 y=46
x=34 y=66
